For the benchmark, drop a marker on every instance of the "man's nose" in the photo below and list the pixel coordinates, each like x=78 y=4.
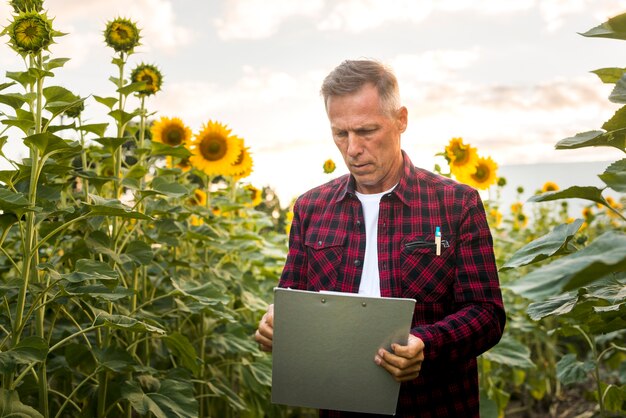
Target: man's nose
x=355 y=144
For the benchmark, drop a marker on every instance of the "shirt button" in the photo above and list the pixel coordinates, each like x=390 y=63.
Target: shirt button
x=357 y=263
x=319 y=243
x=358 y=223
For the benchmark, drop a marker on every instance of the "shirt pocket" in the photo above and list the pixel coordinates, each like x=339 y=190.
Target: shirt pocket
x=324 y=257
x=426 y=276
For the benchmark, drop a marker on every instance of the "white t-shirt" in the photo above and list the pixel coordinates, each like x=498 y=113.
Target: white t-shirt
x=370 y=278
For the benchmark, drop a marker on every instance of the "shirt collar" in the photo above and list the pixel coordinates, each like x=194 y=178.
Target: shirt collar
x=405 y=190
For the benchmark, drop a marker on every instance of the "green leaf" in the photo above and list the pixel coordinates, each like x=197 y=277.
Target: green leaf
x=510 y=352
x=601 y=257
x=569 y=370
x=121 y=116
x=614 y=28
x=112 y=143
x=615 y=176
x=6 y=85
x=95 y=128
x=554 y=243
x=140 y=252
x=114 y=359
x=610 y=75
x=580 y=192
x=221 y=389
x=179 y=151
x=107 y=101
x=55 y=63
x=15 y=100
x=24 y=125
x=173 y=399
x=615 y=139
x=127 y=323
x=11 y=406
x=488 y=407
x=98 y=291
x=181 y=348
x=132 y=88
x=206 y=293
x=30 y=349
x=87 y=269
x=614 y=398
x=556 y=305
x=112 y=207
x=618 y=95
x=48 y=143
x=58 y=94
x=170 y=189
x=23 y=77
x=618 y=121
x=13 y=202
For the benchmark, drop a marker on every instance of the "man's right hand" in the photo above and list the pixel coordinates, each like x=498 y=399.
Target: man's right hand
x=265 y=334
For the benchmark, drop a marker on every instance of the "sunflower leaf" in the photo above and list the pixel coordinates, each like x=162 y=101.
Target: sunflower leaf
x=22 y=77
x=47 y=143
x=15 y=100
x=25 y=125
x=618 y=95
x=5 y=85
x=55 y=63
x=615 y=139
x=614 y=28
x=107 y=101
x=94 y=128
x=132 y=88
x=179 y=151
x=609 y=75
x=111 y=143
x=121 y=116
x=615 y=176
x=581 y=192
x=112 y=207
x=170 y=189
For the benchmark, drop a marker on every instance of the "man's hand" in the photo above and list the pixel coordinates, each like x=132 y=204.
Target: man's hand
x=265 y=334
x=406 y=360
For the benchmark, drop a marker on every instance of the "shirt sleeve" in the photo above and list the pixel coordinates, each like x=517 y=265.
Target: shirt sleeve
x=479 y=320
x=294 y=271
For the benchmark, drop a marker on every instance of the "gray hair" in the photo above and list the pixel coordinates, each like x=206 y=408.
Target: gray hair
x=351 y=75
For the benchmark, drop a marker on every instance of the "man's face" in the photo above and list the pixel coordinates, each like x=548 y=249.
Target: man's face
x=368 y=139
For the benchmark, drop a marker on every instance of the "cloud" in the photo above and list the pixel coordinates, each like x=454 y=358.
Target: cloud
x=434 y=66
x=555 y=12
x=156 y=18
x=254 y=19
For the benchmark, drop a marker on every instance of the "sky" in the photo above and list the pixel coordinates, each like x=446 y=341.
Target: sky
x=511 y=77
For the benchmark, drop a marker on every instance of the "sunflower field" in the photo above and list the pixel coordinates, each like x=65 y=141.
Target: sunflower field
x=136 y=260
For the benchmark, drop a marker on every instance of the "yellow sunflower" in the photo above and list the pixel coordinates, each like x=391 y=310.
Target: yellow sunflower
x=516 y=207
x=495 y=217
x=122 y=35
x=520 y=220
x=30 y=32
x=170 y=131
x=484 y=175
x=255 y=195
x=329 y=166
x=214 y=150
x=462 y=158
x=195 y=220
x=242 y=167
x=198 y=198
x=288 y=221
x=549 y=186
x=150 y=75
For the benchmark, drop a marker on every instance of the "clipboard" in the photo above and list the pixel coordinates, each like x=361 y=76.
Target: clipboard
x=324 y=346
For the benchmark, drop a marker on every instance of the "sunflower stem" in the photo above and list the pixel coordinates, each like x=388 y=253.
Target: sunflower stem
x=208 y=192
x=83 y=158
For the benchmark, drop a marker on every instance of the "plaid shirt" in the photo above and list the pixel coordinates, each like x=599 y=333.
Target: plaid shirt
x=459 y=312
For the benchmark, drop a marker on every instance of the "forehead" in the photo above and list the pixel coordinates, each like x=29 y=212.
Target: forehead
x=358 y=107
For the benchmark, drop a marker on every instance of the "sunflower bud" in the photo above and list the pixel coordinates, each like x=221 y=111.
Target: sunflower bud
x=75 y=110
x=27 y=5
x=122 y=35
x=150 y=75
x=30 y=32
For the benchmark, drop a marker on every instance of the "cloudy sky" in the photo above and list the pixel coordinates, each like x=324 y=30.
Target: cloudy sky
x=509 y=76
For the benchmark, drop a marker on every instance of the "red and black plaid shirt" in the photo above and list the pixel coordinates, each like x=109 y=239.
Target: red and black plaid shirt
x=459 y=312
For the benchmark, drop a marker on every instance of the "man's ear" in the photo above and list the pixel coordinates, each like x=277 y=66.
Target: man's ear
x=402 y=119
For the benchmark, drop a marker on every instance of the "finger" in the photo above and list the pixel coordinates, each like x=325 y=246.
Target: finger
x=413 y=348
x=265 y=343
x=270 y=315
x=398 y=373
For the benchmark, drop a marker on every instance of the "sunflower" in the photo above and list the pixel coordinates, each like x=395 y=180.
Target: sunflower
x=549 y=186
x=329 y=166
x=462 y=158
x=182 y=163
x=170 y=131
x=122 y=35
x=214 y=150
x=520 y=221
x=496 y=217
x=30 y=32
x=255 y=195
x=288 y=221
x=150 y=75
x=243 y=166
x=27 y=5
x=195 y=220
x=484 y=175
x=198 y=198
x=516 y=207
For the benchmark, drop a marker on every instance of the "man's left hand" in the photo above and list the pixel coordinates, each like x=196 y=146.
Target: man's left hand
x=406 y=360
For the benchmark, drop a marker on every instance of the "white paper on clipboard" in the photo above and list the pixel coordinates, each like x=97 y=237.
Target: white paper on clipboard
x=324 y=346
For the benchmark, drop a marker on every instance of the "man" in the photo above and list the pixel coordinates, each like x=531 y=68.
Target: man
x=373 y=232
